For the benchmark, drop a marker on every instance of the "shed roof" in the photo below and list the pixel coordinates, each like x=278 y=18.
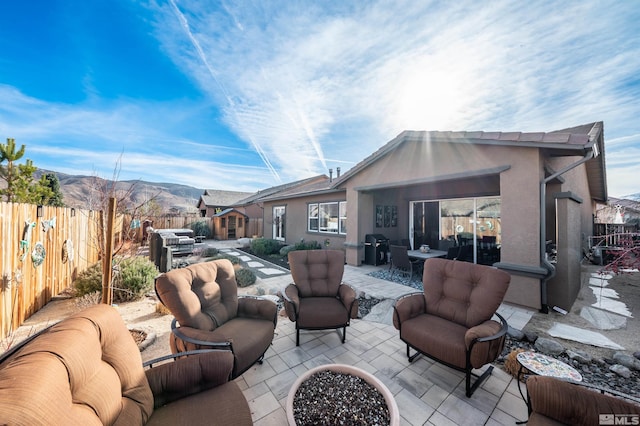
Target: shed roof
x=227 y=211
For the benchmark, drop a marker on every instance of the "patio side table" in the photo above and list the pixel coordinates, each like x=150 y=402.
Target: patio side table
x=544 y=365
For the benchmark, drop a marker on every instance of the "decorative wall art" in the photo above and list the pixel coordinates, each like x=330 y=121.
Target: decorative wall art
x=38 y=254
x=386 y=216
x=379 y=216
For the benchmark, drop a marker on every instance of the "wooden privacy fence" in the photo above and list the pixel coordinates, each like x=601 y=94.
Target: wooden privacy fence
x=42 y=250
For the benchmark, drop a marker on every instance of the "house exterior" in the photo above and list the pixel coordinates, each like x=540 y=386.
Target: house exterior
x=519 y=193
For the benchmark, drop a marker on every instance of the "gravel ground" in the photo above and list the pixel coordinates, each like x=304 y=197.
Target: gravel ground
x=330 y=398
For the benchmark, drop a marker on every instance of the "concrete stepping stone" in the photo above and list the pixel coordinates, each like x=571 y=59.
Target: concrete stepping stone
x=611 y=305
x=588 y=337
x=271 y=271
x=605 y=292
x=603 y=320
x=598 y=282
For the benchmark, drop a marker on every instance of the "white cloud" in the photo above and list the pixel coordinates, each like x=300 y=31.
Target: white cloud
x=303 y=84
x=308 y=86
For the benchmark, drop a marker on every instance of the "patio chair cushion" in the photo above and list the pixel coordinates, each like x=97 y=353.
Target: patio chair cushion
x=462 y=292
x=202 y=296
x=556 y=402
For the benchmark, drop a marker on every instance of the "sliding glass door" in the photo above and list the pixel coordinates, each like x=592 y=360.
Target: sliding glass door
x=469 y=229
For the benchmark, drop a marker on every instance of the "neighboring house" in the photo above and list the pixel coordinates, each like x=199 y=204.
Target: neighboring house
x=519 y=192
x=618 y=211
x=214 y=201
x=253 y=207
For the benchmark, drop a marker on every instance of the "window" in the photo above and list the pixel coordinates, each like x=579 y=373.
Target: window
x=223 y=222
x=328 y=217
x=313 y=217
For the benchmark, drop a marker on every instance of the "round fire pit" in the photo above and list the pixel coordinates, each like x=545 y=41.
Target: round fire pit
x=340 y=394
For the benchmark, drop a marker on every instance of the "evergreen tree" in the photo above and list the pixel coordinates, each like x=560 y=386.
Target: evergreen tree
x=21 y=187
x=50 y=180
x=9 y=173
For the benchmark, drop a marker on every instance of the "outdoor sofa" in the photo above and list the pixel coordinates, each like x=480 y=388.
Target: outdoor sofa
x=87 y=370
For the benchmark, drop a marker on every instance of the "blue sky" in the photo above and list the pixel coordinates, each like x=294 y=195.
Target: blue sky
x=247 y=95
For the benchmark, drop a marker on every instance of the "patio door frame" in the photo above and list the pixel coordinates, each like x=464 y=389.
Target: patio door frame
x=279 y=225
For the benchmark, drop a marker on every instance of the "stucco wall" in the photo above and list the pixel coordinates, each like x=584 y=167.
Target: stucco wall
x=296 y=211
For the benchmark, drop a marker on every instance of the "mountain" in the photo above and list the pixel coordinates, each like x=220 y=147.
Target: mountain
x=634 y=197
x=79 y=191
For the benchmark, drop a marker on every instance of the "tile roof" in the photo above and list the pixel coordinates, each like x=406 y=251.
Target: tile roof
x=575 y=141
x=287 y=189
x=216 y=197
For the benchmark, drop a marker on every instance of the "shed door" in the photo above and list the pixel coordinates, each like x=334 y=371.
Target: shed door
x=231 y=230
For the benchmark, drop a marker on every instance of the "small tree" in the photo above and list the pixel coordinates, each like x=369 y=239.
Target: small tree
x=9 y=173
x=50 y=180
x=21 y=187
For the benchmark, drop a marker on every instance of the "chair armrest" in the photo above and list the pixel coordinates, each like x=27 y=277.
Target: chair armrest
x=347 y=295
x=189 y=374
x=180 y=332
x=257 y=308
x=291 y=301
x=487 y=331
x=407 y=307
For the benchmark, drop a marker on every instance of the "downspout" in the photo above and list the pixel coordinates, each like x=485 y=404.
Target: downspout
x=550 y=267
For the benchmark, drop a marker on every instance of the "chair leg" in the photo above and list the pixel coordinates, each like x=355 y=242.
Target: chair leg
x=411 y=357
x=470 y=389
x=297 y=336
x=344 y=333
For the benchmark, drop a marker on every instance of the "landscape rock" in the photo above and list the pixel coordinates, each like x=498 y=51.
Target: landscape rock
x=244 y=242
x=515 y=334
x=627 y=360
x=531 y=336
x=621 y=370
x=581 y=357
x=548 y=346
x=636 y=354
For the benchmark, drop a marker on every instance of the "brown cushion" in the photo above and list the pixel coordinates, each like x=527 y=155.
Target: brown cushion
x=250 y=339
x=438 y=337
x=224 y=405
x=189 y=375
x=317 y=272
x=570 y=403
x=86 y=369
x=203 y=295
x=465 y=293
x=322 y=312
